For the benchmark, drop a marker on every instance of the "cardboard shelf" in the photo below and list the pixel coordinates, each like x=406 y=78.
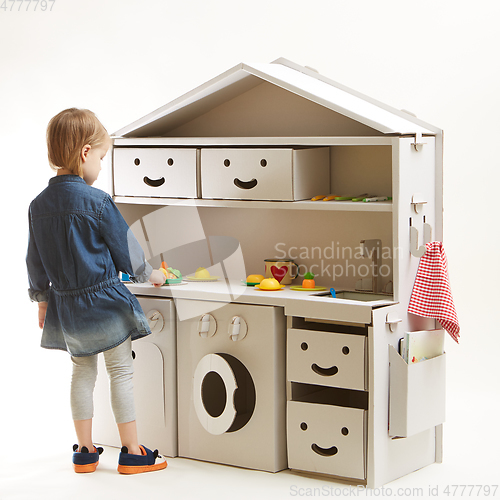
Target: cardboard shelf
x=335 y=206
x=251 y=141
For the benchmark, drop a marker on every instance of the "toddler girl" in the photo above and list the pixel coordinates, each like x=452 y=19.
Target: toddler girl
x=78 y=241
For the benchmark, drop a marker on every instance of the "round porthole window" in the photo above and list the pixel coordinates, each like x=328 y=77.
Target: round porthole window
x=213 y=394
x=223 y=393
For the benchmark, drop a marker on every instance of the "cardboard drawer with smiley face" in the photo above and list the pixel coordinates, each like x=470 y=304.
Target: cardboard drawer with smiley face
x=155 y=172
x=326 y=358
x=327 y=439
x=264 y=174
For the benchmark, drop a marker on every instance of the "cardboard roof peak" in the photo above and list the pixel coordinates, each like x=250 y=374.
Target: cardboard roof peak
x=302 y=81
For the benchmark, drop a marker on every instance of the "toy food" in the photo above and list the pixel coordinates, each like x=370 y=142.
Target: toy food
x=254 y=278
x=174 y=273
x=308 y=281
x=201 y=273
x=270 y=284
x=169 y=272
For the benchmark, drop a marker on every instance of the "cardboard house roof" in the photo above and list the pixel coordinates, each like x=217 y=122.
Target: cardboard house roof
x=298 y=80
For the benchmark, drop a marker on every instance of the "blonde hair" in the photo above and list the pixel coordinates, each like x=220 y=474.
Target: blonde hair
x=68 y=132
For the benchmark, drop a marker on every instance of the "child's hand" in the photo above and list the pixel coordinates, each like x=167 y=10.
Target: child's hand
x=42 y=310
x=157 y=278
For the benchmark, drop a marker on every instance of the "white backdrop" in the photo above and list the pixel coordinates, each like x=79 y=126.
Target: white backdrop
x=124 y=58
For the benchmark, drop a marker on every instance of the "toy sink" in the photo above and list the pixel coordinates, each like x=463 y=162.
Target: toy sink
x=356 y=295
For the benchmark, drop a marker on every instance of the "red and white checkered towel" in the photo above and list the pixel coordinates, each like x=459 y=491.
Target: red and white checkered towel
x=431 y=296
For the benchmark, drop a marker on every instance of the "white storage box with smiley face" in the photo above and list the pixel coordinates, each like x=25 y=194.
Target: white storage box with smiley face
x=155 y=172
x=265 y=174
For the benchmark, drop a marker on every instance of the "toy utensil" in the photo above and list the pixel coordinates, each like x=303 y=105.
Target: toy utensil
x=377 y=198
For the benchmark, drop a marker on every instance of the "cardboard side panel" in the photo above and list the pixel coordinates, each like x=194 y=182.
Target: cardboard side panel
x=389 y=459
x=150 y=409
x=398 y=394
x=155 y=384
x=311 y=172
x=148 y=394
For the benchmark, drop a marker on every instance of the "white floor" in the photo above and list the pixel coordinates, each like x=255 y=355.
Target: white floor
x=470 y=458
x=52 y=477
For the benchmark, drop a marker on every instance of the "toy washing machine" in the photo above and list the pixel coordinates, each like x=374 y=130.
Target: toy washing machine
x=231 y=384
x=155 y=384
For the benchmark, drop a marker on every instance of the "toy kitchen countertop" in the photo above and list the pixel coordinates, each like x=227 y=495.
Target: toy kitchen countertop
x=318 y=305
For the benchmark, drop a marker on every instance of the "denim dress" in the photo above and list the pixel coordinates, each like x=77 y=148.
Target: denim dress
x=78 y=241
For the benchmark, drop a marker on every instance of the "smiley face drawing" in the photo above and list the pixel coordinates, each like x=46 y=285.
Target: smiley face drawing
x=155 y=172
x=246 y=174
x=245 y=185
x=323 y=437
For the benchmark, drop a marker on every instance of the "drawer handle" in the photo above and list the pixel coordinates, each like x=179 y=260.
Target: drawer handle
x=324 y=372
x=325 y=452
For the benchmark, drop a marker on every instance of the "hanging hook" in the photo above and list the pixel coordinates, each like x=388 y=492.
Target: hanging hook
x=415 y=249
x=419 y=142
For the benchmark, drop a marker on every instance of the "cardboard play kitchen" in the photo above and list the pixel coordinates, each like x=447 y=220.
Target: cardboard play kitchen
x=316 y=381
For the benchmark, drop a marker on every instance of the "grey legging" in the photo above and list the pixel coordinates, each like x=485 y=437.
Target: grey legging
x=120 y=370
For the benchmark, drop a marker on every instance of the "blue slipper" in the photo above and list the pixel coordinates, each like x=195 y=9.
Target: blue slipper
x=135 y=464
x=84 y=461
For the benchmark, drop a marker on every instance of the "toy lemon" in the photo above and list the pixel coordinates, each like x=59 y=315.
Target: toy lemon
x=270 y=284
x=201 y=273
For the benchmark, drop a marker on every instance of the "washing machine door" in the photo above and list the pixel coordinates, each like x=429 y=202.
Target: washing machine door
x=223 y=393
